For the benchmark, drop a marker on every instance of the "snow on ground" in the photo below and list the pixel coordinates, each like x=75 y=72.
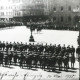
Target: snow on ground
x=22 y=34
x=17 y=73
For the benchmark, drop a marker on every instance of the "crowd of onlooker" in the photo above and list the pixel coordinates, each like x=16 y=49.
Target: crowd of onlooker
x=38 y=25
x=43 y=25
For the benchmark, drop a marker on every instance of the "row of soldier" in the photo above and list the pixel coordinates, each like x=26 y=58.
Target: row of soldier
x=36 y=47
x=39 y=55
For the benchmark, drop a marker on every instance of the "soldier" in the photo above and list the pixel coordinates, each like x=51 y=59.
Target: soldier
x=45 y=47
x=15 y=46
x=49 y=48
x=33 y=47
x=65 y=60
x=63 y=50
x=41 y=48
x=59 y=58
x=10 y=56
x=0 y=45
x=25 y=46
x=44 y=62
x=29 y=59
x=21 y=60
x=67 y=55
x=15 y=58
x=10 y=45
x=68 y=50
x=72 y=61
x=1 y=58
x=58 y=49
x=41 y=60
x=30 y=47
x=78 y=51
x=6 y=59
x=3 y=45
x=54 y=59
x=7 y=46
x=72 y=50
x=18 y=46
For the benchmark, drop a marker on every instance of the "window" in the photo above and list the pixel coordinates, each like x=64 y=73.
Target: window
x=61 y=18
x=54 y=9
x=77 y=6
x=69 y=18
x=19 y=13
x=69 y=8
x=54 y=18
x=1 y=7
x=2 y=13
x=61 y=8
x=6 y=13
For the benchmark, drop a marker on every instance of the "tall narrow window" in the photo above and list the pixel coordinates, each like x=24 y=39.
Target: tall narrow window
x=69 y=8
x=61 y=8
x=2 y=13
x=69 y=18
x=54 y=18
x=54 y=9
x=61 y=18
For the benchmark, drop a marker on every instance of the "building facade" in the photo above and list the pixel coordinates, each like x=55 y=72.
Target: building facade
x=59 y=12
x=63 y=12
x=10 y=9
x=35 y=9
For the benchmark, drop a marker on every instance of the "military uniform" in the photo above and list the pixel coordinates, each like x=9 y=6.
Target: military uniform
x=15 y=58
x=1 y=57
x=72 y=61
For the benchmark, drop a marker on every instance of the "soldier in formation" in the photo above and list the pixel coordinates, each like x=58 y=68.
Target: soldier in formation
x=34 y=55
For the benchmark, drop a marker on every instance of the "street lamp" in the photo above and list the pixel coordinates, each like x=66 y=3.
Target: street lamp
x=31 y=29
